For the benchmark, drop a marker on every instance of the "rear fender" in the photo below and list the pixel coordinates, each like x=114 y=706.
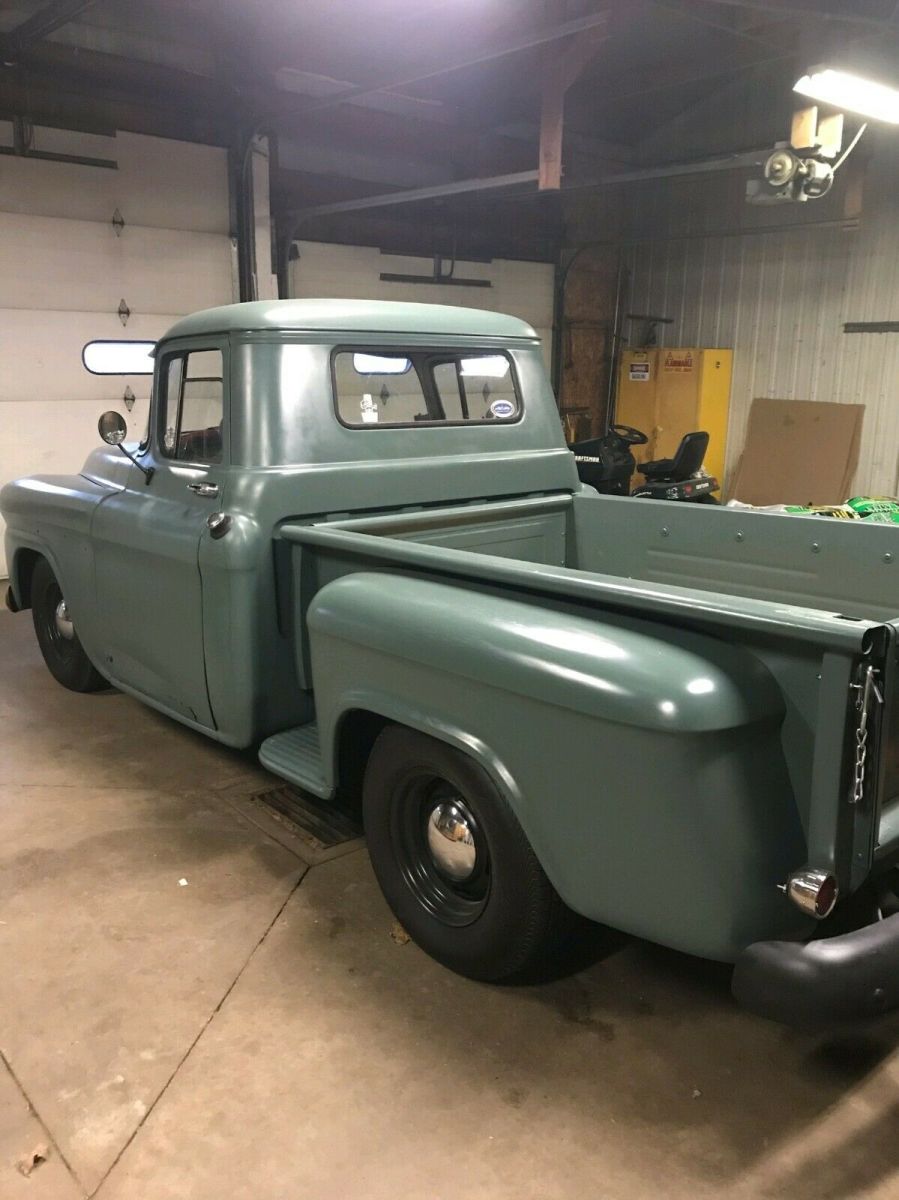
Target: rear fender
x=620 y=669
x=681 y=839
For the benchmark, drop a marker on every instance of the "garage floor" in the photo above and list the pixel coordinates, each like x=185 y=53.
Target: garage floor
x=256 y=1032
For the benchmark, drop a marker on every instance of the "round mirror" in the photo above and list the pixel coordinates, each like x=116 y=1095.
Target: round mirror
x=112 y=428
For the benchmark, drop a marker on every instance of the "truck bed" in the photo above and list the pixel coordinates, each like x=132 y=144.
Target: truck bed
x=819 y=575
x=808 y=598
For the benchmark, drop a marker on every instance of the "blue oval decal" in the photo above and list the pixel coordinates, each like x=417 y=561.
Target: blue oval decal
x=502 y=408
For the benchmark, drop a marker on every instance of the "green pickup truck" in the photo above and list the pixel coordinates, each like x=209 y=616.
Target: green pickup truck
x=353 y=535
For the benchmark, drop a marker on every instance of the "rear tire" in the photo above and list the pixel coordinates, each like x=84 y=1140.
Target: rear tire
x=56 y=636
x=465 y=884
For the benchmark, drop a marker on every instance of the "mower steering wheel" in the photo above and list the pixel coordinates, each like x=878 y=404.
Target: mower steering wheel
x=627 y=433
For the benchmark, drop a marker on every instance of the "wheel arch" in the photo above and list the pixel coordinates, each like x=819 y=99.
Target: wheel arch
x=21 y=573
x=348 y=738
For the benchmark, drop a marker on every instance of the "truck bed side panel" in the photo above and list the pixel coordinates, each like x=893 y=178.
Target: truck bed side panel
x=645 y=766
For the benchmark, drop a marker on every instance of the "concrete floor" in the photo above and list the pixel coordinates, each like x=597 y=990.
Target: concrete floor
x=259 y=1034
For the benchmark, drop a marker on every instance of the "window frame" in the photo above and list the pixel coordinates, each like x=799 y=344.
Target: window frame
x=160 y=399
x=441 y=354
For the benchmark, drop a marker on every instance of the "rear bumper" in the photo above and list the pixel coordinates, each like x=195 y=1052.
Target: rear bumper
x=853 y=977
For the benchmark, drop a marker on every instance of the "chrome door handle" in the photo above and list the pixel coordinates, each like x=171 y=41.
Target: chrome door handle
x=208 y=490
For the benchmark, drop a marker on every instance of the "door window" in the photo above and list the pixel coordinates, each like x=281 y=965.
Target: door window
x=193 y=406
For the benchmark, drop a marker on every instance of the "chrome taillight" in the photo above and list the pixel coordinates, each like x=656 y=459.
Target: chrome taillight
x=815 y=892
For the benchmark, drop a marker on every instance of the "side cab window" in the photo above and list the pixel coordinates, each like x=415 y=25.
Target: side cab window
x=191 y=406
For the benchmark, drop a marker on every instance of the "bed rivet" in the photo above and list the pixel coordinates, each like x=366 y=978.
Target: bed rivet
x=664 y=531
x=816 y=546
x=738 y=537
x=888 y=558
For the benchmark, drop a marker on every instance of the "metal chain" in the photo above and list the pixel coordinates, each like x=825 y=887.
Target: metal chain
x=866 y=689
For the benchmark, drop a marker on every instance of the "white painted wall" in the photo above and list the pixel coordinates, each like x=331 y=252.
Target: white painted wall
x=63 y=271
x=522 y=289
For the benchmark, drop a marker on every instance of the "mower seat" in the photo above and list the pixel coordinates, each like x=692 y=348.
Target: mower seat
x=686 y=461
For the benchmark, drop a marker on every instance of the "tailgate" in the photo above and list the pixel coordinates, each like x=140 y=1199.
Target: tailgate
x=886 y=804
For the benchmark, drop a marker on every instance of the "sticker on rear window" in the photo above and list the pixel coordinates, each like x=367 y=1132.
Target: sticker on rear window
x=502 y=408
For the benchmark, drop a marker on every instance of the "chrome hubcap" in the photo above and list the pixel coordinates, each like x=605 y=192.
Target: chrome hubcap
x=451 y=840
x=64 y=626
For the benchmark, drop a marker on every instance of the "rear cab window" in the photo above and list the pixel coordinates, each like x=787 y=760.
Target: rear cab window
x=381 y=388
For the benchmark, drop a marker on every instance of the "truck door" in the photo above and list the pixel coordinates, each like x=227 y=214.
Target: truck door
x=146 y=538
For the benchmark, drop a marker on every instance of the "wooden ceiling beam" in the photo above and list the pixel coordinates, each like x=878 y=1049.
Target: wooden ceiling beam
x=562 y=66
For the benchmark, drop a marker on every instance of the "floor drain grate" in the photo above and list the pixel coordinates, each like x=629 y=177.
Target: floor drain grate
x=326 y=824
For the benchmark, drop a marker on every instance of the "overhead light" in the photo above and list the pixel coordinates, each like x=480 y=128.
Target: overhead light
x=851 y=93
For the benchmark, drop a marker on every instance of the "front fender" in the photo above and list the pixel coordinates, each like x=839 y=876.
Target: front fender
x=51 y=515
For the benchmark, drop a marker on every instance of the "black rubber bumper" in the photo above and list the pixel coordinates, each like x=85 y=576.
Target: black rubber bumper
x=11 y=601
x=832 y=981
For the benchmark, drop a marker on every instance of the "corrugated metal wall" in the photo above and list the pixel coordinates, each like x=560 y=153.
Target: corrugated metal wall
x=779 y=299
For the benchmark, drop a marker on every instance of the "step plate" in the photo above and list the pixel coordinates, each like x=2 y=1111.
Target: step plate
x=295 y=755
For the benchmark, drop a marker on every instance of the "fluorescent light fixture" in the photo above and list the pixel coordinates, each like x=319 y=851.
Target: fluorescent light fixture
x=851 y=93
x=381 y=364
x=493 y=366
x=119 y=357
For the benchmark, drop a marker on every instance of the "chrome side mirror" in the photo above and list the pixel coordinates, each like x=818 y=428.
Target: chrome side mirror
x=112 y=428
x=113 y=431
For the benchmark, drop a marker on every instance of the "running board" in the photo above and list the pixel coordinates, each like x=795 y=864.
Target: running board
x=296 y=756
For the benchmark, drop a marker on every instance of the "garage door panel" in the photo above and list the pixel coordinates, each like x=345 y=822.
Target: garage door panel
x=173 y=185
x=92 y=269
x=523 y=289
x=41 y=353
x=64 y=270
x=30 y=185
x=160 y=183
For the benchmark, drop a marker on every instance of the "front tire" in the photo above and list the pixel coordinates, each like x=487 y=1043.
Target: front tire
x=56 y=636
x=453 y=862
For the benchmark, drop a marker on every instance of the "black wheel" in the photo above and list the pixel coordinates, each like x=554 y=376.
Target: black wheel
x=453 y=862
x=56 y=636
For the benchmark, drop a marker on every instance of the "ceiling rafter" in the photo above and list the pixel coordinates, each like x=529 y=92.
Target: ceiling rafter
x=38 y=26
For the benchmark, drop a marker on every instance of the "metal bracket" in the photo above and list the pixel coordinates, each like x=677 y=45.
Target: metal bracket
x=128 y=398
x=118 y=222
x=124 y=311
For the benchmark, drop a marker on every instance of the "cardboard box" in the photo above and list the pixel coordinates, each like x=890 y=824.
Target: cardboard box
x=798 y=452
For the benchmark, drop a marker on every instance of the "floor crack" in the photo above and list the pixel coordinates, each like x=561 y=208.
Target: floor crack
x=203 y=1028
x=43 y=1124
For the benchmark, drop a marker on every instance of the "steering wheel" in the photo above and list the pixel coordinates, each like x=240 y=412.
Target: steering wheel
x=627 y=433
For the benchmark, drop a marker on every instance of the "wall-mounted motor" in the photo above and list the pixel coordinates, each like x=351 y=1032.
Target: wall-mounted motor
x=787 y=177
x=804 y=167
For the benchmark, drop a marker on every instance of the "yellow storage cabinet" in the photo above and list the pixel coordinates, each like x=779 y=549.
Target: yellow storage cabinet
x=670 y=392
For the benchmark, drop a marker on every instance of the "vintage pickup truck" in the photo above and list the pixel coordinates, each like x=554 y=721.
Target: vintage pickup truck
x=353 y=535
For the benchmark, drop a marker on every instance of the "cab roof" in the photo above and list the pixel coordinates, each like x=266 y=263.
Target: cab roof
x=351 y=316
